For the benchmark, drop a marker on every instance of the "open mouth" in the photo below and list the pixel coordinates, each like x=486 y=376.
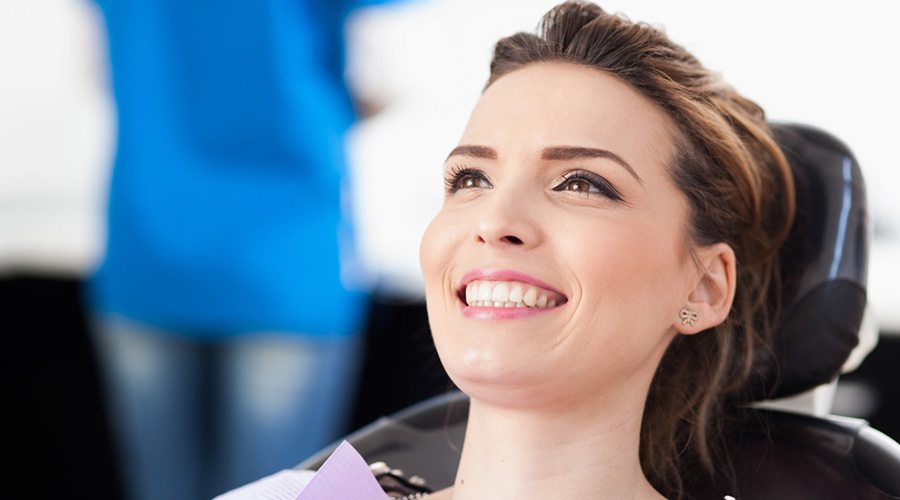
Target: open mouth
x=513 y=294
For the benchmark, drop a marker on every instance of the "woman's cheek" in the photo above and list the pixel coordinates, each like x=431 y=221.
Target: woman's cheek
x=430 y=249
x=440 y=244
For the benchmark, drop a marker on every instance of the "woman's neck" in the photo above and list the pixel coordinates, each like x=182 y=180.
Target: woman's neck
x=587 y=450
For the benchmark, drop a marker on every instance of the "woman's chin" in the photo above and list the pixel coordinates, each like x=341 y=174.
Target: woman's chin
x=497 y=380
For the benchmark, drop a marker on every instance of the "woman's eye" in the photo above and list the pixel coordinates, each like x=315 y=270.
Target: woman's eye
x=588 y=183
x=579 y=186
x=470 y=181
x=465 y=178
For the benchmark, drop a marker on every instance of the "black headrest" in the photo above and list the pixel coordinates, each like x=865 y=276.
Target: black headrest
x=823 y=266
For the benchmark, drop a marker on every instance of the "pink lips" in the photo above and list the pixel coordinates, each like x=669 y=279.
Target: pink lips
x=499 y=313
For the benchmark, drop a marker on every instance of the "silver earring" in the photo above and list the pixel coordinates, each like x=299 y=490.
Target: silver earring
x=687 y=316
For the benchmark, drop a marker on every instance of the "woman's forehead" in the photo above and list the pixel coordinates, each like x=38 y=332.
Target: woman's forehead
x=548 y=104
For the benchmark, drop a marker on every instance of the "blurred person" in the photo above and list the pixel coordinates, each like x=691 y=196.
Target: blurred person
x=228 y=305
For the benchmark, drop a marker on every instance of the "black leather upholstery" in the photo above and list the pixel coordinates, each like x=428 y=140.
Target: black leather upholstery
x=789 y=456
x=823 y=264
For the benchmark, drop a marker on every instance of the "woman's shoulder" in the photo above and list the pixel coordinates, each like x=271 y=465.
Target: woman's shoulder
x=283 y=485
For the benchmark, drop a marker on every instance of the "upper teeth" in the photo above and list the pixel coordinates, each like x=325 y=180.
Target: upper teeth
x=509 y=294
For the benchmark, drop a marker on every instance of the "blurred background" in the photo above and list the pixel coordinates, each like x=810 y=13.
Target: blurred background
x=414 y=69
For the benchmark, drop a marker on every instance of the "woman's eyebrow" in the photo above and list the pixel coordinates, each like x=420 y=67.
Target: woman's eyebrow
x=485 y=152
x=576 y=152
x=549 y=153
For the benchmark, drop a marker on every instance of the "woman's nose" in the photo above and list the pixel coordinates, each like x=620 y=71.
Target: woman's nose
x=505 y=221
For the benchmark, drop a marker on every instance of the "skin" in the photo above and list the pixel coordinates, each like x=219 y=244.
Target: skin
x=557 y=396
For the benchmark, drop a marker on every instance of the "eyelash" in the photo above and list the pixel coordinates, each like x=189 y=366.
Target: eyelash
x=458 y=173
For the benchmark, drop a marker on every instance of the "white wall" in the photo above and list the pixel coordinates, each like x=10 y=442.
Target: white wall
x=56 y=135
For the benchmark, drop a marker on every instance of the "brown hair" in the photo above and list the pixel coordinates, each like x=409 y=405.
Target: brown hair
x=740 y=192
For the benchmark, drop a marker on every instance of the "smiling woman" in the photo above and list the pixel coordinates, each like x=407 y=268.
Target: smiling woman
x=599 y=279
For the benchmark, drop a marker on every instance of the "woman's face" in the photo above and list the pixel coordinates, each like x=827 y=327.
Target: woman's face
x=557 y=265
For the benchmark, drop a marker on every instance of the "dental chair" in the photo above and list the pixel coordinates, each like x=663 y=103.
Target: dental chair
x=781 y=454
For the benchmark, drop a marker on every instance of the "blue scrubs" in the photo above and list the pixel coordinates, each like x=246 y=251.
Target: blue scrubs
x=225 y=213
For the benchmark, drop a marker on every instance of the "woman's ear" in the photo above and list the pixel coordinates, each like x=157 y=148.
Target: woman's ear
x=709 y=302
